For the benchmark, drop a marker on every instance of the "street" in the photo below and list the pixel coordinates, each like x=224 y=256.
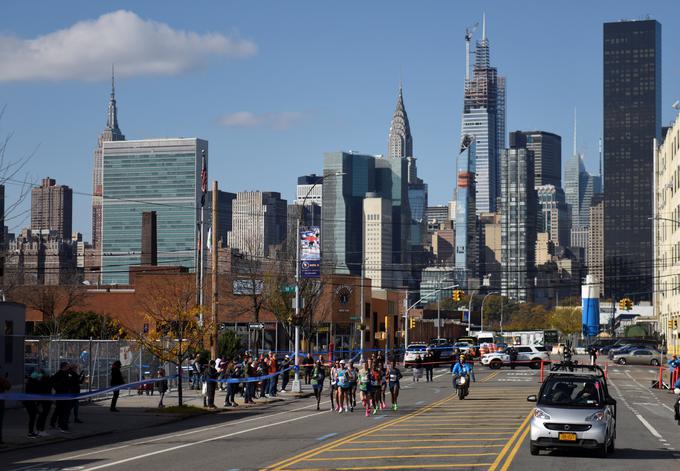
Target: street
x=431 y=430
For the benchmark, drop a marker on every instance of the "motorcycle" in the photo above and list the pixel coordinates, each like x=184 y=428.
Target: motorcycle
x=462 y=386
x=677 y=405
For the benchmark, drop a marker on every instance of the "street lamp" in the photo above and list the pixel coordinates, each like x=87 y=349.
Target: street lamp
x=408 y=308
x=297 y=386
x=481 y=319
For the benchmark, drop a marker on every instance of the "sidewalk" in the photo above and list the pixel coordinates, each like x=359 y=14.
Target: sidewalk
x=136 y=412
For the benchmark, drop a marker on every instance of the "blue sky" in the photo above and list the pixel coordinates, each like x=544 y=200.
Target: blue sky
x=272 y=85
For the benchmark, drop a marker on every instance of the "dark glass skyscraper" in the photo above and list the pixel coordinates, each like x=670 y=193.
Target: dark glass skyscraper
x=547 y=149
x=632 y=119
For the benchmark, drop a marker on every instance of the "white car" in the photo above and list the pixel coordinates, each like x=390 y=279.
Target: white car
x=527 y=355
x=412 y=352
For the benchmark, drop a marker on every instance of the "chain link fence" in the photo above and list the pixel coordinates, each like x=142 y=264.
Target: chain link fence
x=94 y=357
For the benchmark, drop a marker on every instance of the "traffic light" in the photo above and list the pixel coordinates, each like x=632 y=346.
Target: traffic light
x=411 y=323
x=670 y=324
x=622 y=304
x=675 y=324
x=386 y=319
x=457 y=295
x=625 y=304
x=629 y=304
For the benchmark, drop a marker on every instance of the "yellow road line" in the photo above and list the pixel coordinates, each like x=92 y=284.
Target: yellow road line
x=445 y=428
x=437 y=434
x=395 y=457
x=418 y=447
x=315 y=451
x=491 y=376
x=518 y=445
x=507 y=446
x=405 y=466
x=420 y=440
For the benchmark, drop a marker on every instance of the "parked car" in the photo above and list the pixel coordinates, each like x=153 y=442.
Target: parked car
x=412 y=352
x=527 y=355
x=574 y=410
x=639 y=356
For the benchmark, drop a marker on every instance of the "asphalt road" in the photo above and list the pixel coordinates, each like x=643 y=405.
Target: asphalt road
x=431 y=430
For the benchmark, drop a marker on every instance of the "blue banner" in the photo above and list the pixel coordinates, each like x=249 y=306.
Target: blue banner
x=310 y=252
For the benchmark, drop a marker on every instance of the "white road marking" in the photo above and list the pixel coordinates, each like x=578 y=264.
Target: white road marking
x=328 y=435
x=165 y=437
x=649 y=427
x=200 y=442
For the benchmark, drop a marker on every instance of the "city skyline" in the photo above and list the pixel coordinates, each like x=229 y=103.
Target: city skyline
x=292 y=114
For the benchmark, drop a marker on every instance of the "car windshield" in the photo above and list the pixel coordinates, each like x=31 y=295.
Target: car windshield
x=417 y=348
x=572 y=392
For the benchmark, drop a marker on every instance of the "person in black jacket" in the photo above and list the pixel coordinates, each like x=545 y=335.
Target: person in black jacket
x=75 y=380
x=116 y=380
x=32 y=387
x=211 y=376
x=44 y=406
x=61 y=385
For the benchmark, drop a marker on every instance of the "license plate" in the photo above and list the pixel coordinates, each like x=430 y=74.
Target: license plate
x=567 y=437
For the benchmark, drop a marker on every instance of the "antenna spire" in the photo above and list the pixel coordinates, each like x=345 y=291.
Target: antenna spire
x=574 y=130
x=483 y=26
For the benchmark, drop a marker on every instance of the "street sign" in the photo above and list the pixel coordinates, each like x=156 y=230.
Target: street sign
x=288 y=289
x=355 y=318
x=322 y=329
x=466 y=315
x=256 y=326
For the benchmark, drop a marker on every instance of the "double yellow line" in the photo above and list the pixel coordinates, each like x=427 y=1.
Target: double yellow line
x=316 y=451
x=512 y=447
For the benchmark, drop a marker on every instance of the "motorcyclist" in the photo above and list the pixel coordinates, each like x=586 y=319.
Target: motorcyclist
x=461 y=368
x=676 y=390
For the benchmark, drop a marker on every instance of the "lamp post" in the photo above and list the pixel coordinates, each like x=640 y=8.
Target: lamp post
x=297 y=386
x=481 y=319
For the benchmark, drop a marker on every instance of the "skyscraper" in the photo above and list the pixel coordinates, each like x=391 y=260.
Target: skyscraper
x=554 y=215
x=579 y=188
x=400 y=146
x=547 y=149
x=111 y=133
x=52 y=209
x=467 y=230
x=595 y=249
x=348 y=177
x=162 y=175
x=378 y=241
x=259 y=222
x=632 y=120
x=518 y=224
x=484 y=119
x=400 y=142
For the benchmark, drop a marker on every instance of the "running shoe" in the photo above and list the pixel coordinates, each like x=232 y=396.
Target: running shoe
x=346 y=409
x=367 y=413
x=382 y=405
x=375 y=411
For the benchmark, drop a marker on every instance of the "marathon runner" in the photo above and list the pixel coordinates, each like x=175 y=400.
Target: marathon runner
x=353 y=377
x=333 y=378
x=365 y=387
x=376 y=388
x=394 y=376
x=343 y=388
x=317 y=378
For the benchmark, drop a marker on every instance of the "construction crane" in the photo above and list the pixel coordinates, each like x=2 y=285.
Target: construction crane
x=468 y=38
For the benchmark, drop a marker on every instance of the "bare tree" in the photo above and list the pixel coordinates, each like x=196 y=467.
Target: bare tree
x=52 y=301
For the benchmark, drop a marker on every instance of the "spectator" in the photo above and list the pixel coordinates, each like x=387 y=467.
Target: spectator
x=116 y=380
x=195 y=372
x=428 y=361
x=162 y=386
x=285 y=375
x=417 y=368
x=273 y=370
x=230 y=374
x=308 y=364
x=592 y=351
x=673 y=366
x=210 y=378
x=249 y=385
x=4 y=387
x=44 y=406
x=75 y=380
x=32 y=387
x=61 y=384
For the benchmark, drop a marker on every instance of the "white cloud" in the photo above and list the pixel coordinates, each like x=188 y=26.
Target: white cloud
x=86 y=50
x=246 y=119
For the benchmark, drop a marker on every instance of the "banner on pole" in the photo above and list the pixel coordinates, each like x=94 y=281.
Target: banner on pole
x=310 y=252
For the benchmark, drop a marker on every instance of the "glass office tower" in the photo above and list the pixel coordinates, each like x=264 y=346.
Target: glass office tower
x=162 y=175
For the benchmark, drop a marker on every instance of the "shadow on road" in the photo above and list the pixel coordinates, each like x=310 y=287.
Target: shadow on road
x=619 y=454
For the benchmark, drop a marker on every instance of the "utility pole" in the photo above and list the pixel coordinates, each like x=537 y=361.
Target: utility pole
x=213 y=275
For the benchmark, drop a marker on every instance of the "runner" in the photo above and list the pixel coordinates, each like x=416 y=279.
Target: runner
x=353 y=377
x=343 y=388
x=333 y=378
x=383 y=385
x=365 y=387
x=376 y=388
x=394 y=375
x=317 y=379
